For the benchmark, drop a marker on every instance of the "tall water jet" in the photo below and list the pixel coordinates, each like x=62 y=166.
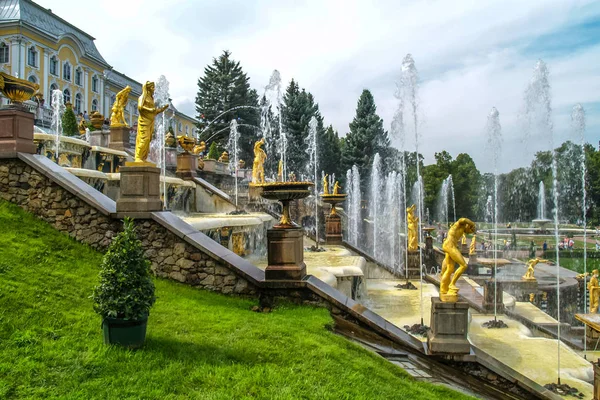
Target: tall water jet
x=451 y=190
x=273 y=104
x=161 y=124
x=58 y=109
x=494 y=143
x=578 y=122
x=375 y=200
x=354 y=205
x=234 y=153
x=312 y=169
x=538 y=113
x=446 y=193
x=541 y=208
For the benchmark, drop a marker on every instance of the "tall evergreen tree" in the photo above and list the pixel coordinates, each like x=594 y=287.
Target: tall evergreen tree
x=223 y=87
x=330 y=153
x=366 y=137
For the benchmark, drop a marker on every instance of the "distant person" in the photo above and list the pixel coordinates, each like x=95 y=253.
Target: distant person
x=86 y=116
x=545 y=246
x=532 y=250
x=597 y=245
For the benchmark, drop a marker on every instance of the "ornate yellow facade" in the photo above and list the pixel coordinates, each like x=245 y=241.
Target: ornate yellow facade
x=39 y=46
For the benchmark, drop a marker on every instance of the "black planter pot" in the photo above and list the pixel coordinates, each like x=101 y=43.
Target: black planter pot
x=123 y=332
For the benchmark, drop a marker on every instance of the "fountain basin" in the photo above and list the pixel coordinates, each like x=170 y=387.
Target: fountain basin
x=17 y=90
x=333 y=199
x=285 y=192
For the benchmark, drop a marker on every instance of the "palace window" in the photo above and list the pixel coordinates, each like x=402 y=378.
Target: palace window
x=67 y=71
x=3 y=53
x=94 y=105
x=187 y=130
x=54 y=65
x=78 y=103
x=78 y=77
x=179 y=127
x=53 y=87
x=95 y=84
x=32 y=79
x=67 y=95
x=32 y=57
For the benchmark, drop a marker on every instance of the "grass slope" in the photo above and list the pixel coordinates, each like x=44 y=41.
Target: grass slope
x=200 y=345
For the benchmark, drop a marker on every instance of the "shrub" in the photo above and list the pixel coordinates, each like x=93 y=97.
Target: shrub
x=126 y=289
x=69 y=123
x=213 y=152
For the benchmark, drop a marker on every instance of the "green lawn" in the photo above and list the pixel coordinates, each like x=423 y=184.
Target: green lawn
x=200 y=345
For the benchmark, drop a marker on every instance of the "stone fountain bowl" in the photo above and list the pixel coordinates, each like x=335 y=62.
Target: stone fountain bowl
x=285 y=191
x=17 y=90
x=333 y=198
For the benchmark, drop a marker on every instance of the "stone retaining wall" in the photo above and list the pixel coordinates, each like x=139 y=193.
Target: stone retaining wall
x=171 y=256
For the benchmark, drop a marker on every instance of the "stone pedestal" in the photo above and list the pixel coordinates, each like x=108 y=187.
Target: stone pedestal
x=488 y=296
x=16 y=132
x=186 y=165
x=449 y=328
x=119 y=138
x=139 y=189
x=414 y=264
x=333 y=229
x=99 y=138
x=285 y=254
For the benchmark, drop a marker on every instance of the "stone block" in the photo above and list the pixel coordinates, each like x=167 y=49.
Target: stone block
x=285 y=254
x=99 y=138
x=140 y=190
x=119 y=138
x=186 y=165
x=488 y=296
x=16 y=132
x=333 y=229
x=449 y=328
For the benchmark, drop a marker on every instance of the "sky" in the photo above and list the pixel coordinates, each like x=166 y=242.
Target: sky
x=471 y=56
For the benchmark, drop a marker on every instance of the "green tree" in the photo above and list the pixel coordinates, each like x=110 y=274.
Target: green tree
x=224 y=94
x=213 y=151
x=466 y=179
x=69 y=123
x=330 y=153
x=366 y=138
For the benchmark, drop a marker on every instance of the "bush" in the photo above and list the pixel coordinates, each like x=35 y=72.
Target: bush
x=69 y=123
x=213 y=152
x=126 y=289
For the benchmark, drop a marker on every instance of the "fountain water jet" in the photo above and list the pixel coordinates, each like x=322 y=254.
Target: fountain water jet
x=157 y=146
x=312 y=168
x=234 y=152
x=273 y=103
x=58 y=109
x=375 y=202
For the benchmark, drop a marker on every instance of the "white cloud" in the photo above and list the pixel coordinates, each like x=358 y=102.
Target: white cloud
x=471 y=56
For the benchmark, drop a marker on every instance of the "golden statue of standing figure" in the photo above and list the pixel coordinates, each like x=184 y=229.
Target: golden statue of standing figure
x=325 y=185
x=148 y=112
x=531 y=268
x=280 y=171
x=473 y=245
x=464 y=239
x=413 y=228
x=594 y=289
x=258 y=167
x=448 y=289
x=336 y=188
x=117 y=117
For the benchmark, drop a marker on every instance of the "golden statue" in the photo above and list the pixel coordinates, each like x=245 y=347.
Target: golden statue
x=472 y=249
x=199 y=148
x=531 y=268
x=258 y=167
x=594 y=289
x=336 y=188
x=413 y=228
x=464 y=239
x=325 y=185
x=148 y=112
x=531 y=297
x=280 y=171
x=117 y=117
x=448 y=289
x=82 y=126
x=186 y=143
x=224 y=157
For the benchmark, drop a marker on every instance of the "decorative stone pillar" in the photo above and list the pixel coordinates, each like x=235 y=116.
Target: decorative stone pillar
x=449 y=328
x=413 y=263
x=16 y=132
x=333 y=222
x=488 y=296
x=139 y=189
x=285 y=254
x=186 y=165
x=119 y=138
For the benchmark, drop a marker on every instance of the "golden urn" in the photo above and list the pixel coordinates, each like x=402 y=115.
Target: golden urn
x=224 y=157
x=241 y=164
x=17 y=90
x=97 y=120
x=170 y=139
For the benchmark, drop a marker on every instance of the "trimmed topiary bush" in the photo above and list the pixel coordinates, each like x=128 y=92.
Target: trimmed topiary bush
x=126 y=289
x=213 y=152
x=69 y=123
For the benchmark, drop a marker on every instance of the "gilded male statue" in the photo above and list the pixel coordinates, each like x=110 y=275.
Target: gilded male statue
x=336 y=188
x=413 y=228
x=117 y=117
x=148 y=112
x=258 y=168
x=325 y=185
x=594 y=289
x=448 y=289
x=531 y=268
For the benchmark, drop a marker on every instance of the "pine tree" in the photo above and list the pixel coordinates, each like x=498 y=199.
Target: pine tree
x=366 y=137
x=213 y=151
x=298 y=108
x=69 y=123
x=225 y=86
x=330 y=152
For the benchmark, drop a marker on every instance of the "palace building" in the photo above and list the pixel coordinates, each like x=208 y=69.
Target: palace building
x=39 y=46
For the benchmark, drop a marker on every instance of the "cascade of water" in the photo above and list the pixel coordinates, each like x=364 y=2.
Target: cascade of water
x=312 y=169
x=375 y=202
x=489 y=209
x=274 y=103
x=443 y=202
x=538 y=109
x=390 y=221
x=161 y=124
x=234 y=153
x=494 y=143
x=541 y=201
x=578 y=122
x=58 y=108
x=349 y=202
x=356 y=204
